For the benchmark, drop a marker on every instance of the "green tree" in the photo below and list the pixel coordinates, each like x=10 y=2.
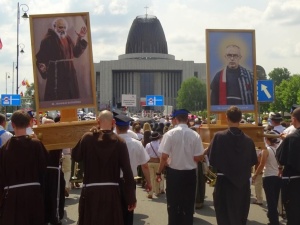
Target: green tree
x=278 y=104
x=192 y=95
x=29 y=100
x=286 y=94
x=260 y=73
x=278 y=75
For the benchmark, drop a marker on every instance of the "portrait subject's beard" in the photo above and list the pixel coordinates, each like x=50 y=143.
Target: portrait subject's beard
x=61 y=34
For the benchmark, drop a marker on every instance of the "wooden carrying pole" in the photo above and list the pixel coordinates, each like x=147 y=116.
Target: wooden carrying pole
x=64 y=134
x=68 y=115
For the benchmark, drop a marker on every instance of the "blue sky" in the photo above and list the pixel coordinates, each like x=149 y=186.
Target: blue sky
x=276 y=24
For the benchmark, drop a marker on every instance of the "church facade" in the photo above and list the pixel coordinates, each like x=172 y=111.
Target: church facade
x=146 y=68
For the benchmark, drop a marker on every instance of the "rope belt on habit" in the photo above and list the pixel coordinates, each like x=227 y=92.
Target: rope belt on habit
x=53 y=167
x=220 y=174
x=292 y=177
x=101 y=184
x=21 y=185
x=55 y=72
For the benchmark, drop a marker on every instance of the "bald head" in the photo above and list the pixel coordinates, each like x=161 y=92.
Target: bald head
x=106 y=120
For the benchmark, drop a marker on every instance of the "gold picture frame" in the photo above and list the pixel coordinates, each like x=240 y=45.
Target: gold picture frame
x=62 y=61
x=221 y=62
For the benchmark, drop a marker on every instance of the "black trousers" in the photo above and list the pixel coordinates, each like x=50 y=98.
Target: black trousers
x=127 y=215
x=271 y=186
x=201 y=184
x=231 y=203
x=181 y=190
x=291 y=200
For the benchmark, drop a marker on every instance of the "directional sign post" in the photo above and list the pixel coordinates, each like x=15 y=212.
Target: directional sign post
x=154 y=100
x=10 y=100
x=265 y=91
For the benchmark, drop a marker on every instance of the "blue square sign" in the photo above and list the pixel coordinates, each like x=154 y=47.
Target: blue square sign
x=265 y=91
x=10 y=100
x=154 y=100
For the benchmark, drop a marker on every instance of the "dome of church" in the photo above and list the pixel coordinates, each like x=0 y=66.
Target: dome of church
x=146 y=35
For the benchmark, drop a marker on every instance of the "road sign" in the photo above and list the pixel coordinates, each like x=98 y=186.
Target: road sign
x=154 y=100
x=10 y=100
x=129 y=100
x=265 y=91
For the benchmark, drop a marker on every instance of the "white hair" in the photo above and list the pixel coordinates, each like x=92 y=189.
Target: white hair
x=59 y=18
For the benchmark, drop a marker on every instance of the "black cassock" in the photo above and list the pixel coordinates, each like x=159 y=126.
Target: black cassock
x=232 y=154
x=288 y=155
x=54 y=189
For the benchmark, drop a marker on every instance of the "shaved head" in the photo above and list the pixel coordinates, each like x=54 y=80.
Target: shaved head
x=105 y=115
x=105 y=120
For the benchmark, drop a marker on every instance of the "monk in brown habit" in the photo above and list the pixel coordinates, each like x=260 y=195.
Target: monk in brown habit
x=103 y=154
x=23 y=162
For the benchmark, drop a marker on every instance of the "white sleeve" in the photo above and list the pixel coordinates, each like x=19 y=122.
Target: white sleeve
x=165 y=144
x=147 y=148
x=198 y=146
x=143 y=155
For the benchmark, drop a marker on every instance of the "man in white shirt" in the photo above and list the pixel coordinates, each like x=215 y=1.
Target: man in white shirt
x=291 y=128
x=137 y=155
x=276 y=118
x=4 y=135
x=184 y=148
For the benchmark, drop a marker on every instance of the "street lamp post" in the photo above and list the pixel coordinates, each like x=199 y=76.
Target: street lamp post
x=25 y=8
x=6 y=77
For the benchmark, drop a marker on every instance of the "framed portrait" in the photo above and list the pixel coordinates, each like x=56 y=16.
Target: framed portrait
x=231 y=70
x=62 y=61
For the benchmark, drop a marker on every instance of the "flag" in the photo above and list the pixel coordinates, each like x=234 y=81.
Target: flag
x=21 y=94
x=1 y=44
x=23 y=82
x=27 y=83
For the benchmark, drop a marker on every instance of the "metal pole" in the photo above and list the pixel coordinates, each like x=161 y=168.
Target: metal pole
x=6 y=83
x=17 y=67
x=13 y=77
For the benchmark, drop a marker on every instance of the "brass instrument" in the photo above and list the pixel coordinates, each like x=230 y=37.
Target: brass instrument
x=211 y=177
x=75 y=171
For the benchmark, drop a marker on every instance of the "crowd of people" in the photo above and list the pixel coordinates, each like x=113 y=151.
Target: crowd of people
x=165 y=156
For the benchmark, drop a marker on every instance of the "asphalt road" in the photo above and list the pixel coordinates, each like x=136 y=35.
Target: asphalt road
x=154 y=212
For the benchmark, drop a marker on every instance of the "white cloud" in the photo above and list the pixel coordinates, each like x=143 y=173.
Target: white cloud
x=297 y=50
x=118 y=7
x=245 y=17
x=276 y=24
x=283 y=11
x=98 y=9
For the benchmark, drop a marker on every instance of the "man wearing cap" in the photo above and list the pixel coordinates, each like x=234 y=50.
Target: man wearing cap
x=288 y=155
x=137 y=155
x=291 y=128
x=276 y=118
x=132 y=134
x=103 y=154
x=184 y=148
x=232 y=154
x=152 y=150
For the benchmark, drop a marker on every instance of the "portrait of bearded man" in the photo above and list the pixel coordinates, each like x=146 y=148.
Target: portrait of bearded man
x=55 y=61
